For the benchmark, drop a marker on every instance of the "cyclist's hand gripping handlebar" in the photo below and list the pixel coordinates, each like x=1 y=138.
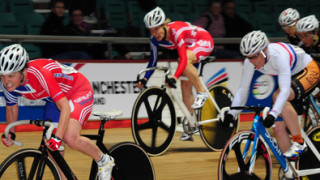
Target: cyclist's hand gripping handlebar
x=36 y=122
x=143 y=81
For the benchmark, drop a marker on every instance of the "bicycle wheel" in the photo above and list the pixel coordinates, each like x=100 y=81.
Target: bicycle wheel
x=311 y=119
x=132 y=162
x=232 y=165
x=213 y=134
x=23 y=164
x=308 y=160
x=153 y=121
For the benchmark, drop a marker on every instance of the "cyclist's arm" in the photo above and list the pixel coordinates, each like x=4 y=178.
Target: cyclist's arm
x=242 y=93
x=284 y=82
x=65 y=111
x=153 y=56
x=12 y=113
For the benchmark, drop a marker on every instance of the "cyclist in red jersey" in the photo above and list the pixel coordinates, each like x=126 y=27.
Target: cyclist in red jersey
x=193 y=44
x=67 y=93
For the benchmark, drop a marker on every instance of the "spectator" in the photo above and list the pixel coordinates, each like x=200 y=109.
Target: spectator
x=288 y=20
x=77 y=27
x=213 y=22
x=235 y=25
x=53 y=26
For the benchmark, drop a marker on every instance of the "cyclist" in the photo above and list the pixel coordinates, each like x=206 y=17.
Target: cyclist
x=308 y=32
x=193 y=44
x=297 y=73
x=288 y=20
x=68 y=95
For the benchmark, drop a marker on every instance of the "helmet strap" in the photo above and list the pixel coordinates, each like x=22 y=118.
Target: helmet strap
x=265 y=57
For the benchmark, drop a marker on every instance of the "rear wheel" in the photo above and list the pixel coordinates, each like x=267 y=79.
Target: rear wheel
x=214 y=134
x=153 y=114
x=132 y=162
x=308 y=160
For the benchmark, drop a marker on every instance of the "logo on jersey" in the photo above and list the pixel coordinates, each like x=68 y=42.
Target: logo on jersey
x=263 y=87
x=204 y=43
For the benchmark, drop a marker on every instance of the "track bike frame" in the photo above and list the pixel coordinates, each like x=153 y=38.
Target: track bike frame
x=62 y=164
x=182 y=106
x=288 y=167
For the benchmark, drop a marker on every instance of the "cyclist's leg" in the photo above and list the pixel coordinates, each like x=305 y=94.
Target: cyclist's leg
x=187 y=95
x=192 y=73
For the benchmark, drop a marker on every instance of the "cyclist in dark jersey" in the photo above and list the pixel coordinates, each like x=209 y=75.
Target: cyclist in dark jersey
x=288 y=20
x=308 y=32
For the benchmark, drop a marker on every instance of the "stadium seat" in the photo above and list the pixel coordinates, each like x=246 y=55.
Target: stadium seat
x=30 y=16
x=262 y=7
x=20 y=6
x=302 y=7
x=7 y=17
x=136 y=14
x=175 y=16
x=181 y=6
x=268 y=26
x=165 y=5
x=279 y=6
x=33 y=50
x=315 y=6
x=243 y=6
x=200 y=6
x=32 y=22
x=115 y=12
x=11 y=27
x=3 y=6
x=191 y=17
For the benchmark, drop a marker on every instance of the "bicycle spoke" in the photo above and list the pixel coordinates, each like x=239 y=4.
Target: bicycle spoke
x=148 y=108
x=154 y=136
x=146 y=125
x=237 y=150
x=164 y=127
x=21 y=168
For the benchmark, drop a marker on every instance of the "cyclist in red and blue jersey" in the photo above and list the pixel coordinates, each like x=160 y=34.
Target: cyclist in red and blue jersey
x=193 y=44
x=68 y=95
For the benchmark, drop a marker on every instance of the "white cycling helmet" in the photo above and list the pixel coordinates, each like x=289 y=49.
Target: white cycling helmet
x=13 y=58
x=253 y=43
x=309 y=23
x=154 y=18
x=288 y=16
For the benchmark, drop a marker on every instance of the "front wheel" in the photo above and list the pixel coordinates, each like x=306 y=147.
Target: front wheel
x=235 y=160
x=132 y=162
x=23 y=164
x=153 y=121
x=214 y=134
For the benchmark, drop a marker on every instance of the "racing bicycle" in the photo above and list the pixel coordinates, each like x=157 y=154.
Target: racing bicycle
x=246 y=155
x=131 y=161
x=153 y=118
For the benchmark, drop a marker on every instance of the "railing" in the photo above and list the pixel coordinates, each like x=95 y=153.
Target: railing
x=103 y=40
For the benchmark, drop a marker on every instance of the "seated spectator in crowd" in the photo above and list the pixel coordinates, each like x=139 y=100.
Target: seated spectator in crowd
x=77 y=27
x=53 y=26
x=288 y=20
x=213 y=22
x=235 y=25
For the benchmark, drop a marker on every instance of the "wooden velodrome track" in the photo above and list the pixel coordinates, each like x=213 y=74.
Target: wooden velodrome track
x=183 y=160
